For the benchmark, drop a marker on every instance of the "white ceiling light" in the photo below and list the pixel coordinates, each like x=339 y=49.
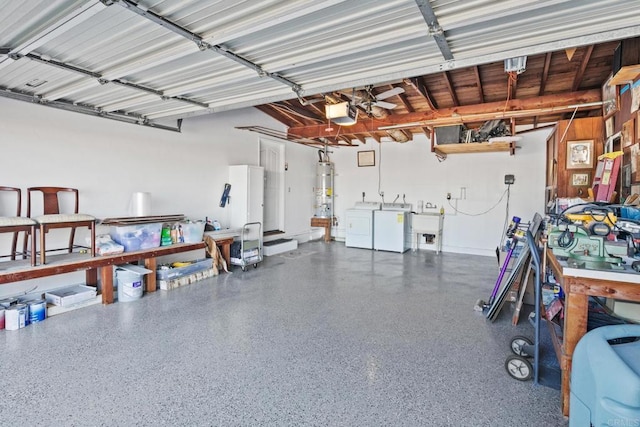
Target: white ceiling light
x=343 y=113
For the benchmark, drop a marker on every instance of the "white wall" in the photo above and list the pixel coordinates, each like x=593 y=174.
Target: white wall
x=185 y=173
x=412 y=169
x=108 y=161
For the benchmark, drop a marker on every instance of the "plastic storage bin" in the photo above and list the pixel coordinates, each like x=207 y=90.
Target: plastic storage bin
x=177 y=272
x=137 y=237
x=192 y=232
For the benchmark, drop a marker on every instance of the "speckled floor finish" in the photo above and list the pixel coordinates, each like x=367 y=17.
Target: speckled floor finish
x=322 y=336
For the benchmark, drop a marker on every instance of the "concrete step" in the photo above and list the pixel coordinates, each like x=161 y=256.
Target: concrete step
x=275 y=247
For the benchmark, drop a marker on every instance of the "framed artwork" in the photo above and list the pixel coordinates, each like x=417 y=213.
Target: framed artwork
x=580 y=154
x=580 y=179
x=626 y=175
x=638 y=127
x=628 y=133
x=609 y=125
x=609 y=99
x=366 y=158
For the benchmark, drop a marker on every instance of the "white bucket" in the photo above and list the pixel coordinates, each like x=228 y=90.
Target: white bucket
x=129 y=285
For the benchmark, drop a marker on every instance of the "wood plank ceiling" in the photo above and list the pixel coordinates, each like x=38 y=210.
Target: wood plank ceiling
x=550 y=88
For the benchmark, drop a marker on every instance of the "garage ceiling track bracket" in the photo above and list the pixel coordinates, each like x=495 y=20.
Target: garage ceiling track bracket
x=202 y=45
x=435 y=30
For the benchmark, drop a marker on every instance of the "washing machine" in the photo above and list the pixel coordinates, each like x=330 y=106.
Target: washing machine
x=359 y=225
x=392 y=228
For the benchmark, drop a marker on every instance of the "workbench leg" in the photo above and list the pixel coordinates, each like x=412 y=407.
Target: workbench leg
x=575 y=326
x=226 y=253
x=327 y=233
x=151 y=264
x=106 y=280
x=91 y=277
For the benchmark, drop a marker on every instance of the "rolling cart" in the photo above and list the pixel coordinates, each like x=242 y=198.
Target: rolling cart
x=250 y=246
x=518 y=365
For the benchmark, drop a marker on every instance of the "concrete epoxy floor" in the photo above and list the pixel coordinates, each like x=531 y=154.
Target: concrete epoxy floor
x=325 y=335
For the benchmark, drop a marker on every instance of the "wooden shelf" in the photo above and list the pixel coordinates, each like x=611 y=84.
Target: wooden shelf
x=625 y=75
x=477 y=147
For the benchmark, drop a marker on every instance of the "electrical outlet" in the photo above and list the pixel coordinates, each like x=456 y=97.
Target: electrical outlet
x=448 y=196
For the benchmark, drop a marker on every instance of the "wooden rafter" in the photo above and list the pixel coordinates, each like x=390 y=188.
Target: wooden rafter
x=452 y=92
x=361 y=138
x=577 y=81
x=476 y=70
x=280 y=115
x=405 y=101
x=301 y=111
x=545 y=73
x=419 y=85
x=531 y=107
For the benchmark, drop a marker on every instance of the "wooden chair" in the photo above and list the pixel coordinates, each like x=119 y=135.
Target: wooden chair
x=52 y=217
x=16 y=224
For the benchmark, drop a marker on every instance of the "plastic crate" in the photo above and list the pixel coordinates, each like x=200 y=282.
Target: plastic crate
x=137 y=237
x=177 y=272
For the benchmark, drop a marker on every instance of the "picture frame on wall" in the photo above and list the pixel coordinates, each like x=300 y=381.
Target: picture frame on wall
x=366 y=158
x=609 y=126
x=580 y=154
x=628 y=133
x=580 y=179
x=626 y=175
x=609 y=99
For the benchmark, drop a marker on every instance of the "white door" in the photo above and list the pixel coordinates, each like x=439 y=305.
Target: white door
x=272 y=160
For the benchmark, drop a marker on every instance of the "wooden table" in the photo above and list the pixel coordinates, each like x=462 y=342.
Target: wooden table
x=102 y=265
x=578 y=286
x=323 y=222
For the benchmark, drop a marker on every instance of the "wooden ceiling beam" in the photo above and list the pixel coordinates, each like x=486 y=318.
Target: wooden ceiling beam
x=280 y=115
x=531 y=107
x=476 y=70
x=545 y=73
x=303 y=112
x=360 y=138
x=577 y=81
x=404 y=100
x=419 y=85
x=452 y=92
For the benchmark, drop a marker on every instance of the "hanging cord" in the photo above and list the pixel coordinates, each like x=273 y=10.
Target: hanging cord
x=485 y=212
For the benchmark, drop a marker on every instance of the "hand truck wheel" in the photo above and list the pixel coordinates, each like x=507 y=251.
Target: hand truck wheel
x=519 y=368
x=518 y=344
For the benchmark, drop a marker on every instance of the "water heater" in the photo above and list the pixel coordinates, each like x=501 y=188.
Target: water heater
x=324 y=189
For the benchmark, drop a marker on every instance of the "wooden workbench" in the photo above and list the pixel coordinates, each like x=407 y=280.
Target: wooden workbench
x=578 y=286
x=102 y=265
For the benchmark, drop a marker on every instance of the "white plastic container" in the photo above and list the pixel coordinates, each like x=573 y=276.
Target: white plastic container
x=130 y=282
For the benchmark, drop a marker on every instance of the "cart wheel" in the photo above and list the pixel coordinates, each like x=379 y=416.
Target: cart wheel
x=255 y=265
x=517 y=345
x=518 y=368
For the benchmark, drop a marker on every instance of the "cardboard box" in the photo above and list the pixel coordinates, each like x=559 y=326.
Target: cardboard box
x=70 y=295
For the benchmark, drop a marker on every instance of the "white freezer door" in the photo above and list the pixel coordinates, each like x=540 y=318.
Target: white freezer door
x=359 y=233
